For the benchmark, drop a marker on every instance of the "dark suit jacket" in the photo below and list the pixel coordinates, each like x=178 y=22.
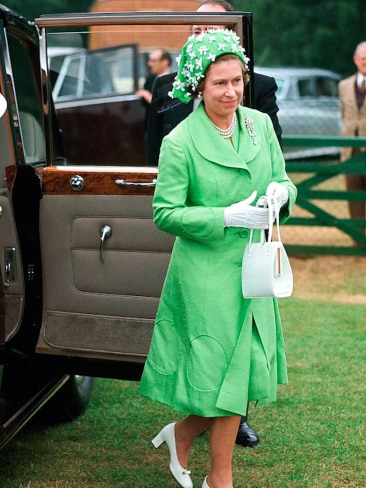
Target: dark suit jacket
x=165 y=113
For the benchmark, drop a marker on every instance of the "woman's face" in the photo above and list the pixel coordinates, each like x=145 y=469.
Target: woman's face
x=223 y=88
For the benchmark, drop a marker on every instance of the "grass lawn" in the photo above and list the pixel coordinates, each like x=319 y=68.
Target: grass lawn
x=313 y=436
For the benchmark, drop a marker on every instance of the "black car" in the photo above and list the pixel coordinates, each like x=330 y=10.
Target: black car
x=82 y=264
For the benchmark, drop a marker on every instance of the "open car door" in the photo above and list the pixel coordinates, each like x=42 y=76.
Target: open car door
x=103 y=259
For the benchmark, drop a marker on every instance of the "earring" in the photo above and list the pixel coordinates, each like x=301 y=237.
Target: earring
x=199 y=96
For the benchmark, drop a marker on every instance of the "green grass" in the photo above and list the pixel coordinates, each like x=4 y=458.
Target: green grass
x=313 y=436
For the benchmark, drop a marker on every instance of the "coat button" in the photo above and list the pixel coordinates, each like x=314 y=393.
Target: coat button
x=244 y=233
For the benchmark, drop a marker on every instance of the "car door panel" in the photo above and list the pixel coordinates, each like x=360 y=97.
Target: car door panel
x=100 y=298
x=11 y=272
x=11 y=269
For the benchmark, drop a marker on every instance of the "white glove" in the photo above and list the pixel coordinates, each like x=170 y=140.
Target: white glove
x=243 y=214
x=279 y=192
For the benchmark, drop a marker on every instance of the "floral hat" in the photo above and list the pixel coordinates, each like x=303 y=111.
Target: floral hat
x=197 y=55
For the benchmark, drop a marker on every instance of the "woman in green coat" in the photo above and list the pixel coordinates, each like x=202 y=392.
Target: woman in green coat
x=212 y=351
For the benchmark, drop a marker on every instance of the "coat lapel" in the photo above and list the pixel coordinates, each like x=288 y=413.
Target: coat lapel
x=350 y=90
x=211 y=146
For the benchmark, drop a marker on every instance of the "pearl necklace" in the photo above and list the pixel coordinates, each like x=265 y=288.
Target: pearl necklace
x=227 y=133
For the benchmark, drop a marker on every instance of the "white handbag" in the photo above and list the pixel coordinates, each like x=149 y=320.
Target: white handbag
x=266 y=270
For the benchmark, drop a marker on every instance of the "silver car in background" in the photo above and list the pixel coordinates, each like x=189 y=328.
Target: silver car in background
x=309 y=105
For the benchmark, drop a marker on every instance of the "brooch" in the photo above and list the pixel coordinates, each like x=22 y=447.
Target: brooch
x=250 y=128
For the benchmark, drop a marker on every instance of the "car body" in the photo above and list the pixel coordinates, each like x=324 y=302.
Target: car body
x=81 y=261
x=308 y=105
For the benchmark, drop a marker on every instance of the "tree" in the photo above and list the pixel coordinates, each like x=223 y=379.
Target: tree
x=306 y=32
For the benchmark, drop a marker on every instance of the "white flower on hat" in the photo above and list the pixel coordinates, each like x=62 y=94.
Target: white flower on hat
x=203 y=50
x=198 y=63
x=180 y=85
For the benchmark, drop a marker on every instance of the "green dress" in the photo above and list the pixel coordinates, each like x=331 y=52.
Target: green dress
x=212 y=351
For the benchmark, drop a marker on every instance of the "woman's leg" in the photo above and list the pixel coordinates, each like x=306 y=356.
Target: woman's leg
x=223 y=431
x=186 y=431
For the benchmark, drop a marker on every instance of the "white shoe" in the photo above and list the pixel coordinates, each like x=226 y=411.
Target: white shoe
x=181 y=475
x=205 y=485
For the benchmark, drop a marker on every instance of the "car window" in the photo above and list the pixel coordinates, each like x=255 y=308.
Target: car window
x=27 y=107
x=307 y=87
x=326 y=87
x=318 y=87
x=103 y=71
x=281 y=84
x=68 y=81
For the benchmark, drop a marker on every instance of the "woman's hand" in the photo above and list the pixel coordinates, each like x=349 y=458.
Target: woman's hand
x=243 y=214
x=279 y=192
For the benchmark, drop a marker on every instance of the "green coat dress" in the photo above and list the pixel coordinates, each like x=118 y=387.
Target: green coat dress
x=212 y=351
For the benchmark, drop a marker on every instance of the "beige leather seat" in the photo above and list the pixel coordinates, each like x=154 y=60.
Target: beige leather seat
x=33 y=138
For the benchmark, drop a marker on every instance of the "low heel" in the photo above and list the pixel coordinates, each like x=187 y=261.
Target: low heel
x=158 y=440
x=181 y=475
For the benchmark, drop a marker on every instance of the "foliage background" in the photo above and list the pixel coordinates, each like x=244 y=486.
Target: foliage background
x=317 y=33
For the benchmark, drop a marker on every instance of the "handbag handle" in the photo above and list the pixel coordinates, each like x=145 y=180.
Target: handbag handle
x=273 y=208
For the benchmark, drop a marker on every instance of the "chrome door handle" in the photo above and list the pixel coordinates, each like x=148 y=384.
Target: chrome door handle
x=105 y=233
x=10 y=261
x=136 y=183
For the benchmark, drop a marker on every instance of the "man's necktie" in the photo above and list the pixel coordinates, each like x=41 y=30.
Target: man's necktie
x=363 y=85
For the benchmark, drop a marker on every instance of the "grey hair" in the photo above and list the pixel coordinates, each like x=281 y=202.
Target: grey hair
x=359 y=46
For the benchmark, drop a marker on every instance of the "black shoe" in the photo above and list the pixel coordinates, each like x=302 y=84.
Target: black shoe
x=246 y=437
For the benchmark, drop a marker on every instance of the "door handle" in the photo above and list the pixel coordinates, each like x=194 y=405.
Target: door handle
x=105 y=233
x=10 y=261
x=136 y=183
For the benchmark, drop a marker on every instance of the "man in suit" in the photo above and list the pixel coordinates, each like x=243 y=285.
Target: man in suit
x=159 y=63
x=166 y=113
x=352 y=96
